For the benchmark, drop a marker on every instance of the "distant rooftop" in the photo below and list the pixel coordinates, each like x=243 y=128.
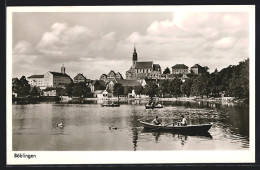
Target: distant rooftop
x=196 y=66
x=36 y=76
x=146 y=64
x=180 y=66
x=59 y=74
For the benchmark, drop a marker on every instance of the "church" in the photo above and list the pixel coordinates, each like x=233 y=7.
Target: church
x=143 y=69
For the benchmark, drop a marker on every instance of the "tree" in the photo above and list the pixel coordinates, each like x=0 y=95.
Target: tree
x=138 y=89
x=69 y=89
x=239 y=83
x=99 y=86
x=186 y=87
x=34 y=92
x=128 y=89
x=80 y=90
x=167 y=71
x=22 y=87
x=164 y=87
x=175 y=87
x=118 y=90
x=151 y=89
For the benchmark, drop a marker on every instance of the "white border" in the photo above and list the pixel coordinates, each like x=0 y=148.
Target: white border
x=133 y=157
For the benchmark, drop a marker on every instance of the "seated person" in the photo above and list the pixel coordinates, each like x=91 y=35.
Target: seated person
x=183 y=121
x=156 y=121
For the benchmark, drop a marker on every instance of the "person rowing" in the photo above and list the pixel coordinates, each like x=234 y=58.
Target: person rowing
x=183 y=121
x=156 y=121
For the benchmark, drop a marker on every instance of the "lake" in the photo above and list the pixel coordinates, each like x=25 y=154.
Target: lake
x=90 y=127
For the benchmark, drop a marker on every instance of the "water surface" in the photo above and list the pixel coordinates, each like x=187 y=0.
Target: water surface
x=90 y=127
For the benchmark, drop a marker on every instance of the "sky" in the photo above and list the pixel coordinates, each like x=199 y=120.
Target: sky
x=93 y=43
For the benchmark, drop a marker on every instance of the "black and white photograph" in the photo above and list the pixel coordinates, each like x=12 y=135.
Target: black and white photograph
x=136 y=84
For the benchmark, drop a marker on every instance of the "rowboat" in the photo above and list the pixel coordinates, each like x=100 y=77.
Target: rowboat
x=188 y=128
x=153 y=107
x=110 y=105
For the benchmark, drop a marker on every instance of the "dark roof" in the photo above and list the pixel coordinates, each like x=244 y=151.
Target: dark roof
x=80 y=75
x=111 y=73
x=146 y=64
x=196 y=66
x=180 y=66
x=156 y=67
x=59 y=74
x=36 y=76
x=128 y=82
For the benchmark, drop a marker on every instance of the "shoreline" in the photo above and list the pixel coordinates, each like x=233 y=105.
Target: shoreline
x=157 y=99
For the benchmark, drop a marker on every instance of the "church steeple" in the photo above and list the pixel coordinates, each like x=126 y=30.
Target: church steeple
x=134 y=57
x=63 y=69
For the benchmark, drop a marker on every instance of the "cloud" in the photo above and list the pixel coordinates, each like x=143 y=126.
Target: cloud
x=212 y=39
x=225 y=43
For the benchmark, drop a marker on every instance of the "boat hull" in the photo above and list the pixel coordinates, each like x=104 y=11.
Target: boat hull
x=110 y=105
x=153 y=107
x=188 y=128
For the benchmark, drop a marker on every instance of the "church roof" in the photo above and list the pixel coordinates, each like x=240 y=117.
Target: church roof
x=36 y=76
x=180 y=66
x=145 y=64
x=59 y=74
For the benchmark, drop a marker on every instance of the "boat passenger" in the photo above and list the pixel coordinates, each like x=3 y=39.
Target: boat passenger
x=183 y=121
x=156 y=121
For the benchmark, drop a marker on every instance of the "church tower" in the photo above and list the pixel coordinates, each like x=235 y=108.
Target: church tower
x=134 y=57
x=63 y=69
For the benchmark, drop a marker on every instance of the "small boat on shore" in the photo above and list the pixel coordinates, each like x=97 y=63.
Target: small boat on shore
x=153 y=107
x=110 y=105
x=188 y=128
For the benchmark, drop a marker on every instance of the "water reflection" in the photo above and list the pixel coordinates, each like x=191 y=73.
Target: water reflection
x=86 y=126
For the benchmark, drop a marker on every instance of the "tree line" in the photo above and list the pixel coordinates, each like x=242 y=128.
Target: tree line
x=231 y=81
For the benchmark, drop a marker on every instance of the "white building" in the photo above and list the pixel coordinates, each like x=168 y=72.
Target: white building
x=36 y=80
x=50 y=79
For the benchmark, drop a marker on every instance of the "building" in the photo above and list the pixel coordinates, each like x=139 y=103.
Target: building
x=180 y=69
x=197 y=69
x=119 y=76
x=54 y=92
x=111 y=76
x=140 y=70
x=103 y=77
x=50 y=79
x=97 y=85
x=79 y=78
x=55 y=79
x=36 y=81
x=101 y=94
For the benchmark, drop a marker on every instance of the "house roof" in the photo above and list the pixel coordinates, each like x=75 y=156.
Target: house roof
x=79 y=75
x=111 y=73
x=196 y=66
x=145 y=64
x=59 y=74
x=36 y=76
x=180 y=66
x=128 y=82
